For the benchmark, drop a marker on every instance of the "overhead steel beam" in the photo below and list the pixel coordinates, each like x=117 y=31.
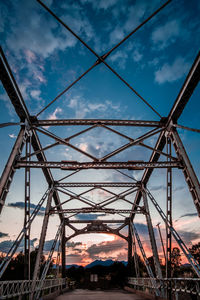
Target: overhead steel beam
x=12 y=89
x=9 y=169
x=184 y=95
x=71 y=165
x=186 y=91
x=188 y=170
x=17 y=100
x=67 y=221
x=89 y=122
x=99 y=210
x=97 y=184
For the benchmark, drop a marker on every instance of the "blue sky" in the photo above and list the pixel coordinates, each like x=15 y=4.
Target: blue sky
x=45 y=59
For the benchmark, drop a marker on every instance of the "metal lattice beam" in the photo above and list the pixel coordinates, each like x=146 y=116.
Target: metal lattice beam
x=70 y=165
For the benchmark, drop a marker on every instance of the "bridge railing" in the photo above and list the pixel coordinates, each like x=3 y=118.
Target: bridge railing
x=10 y=289
x=176 y=285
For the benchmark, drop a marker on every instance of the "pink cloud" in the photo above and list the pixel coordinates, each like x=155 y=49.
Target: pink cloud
x=30 y=56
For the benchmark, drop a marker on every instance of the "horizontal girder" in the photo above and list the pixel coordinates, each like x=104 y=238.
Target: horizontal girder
x=99 y=122
x=97 y=184
x=67 y=165
x=99 y=210
x=94 y=221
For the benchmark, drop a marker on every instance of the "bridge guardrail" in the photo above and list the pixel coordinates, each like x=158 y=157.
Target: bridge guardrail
x=9 y=289
x=177 y=285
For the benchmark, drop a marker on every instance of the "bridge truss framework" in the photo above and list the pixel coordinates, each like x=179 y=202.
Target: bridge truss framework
x=28 y=140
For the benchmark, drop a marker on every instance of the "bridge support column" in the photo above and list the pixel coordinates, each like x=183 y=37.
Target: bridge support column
x=130 y=250
x=42 y=239
x=169 y=219
x=27 y=212
x=188 y=171
x=152 y=237
x=63 y=244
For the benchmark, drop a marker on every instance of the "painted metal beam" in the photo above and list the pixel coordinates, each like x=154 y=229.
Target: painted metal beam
x=97 y=184
x=9 y=170
x=73 y=165
x=98 y=122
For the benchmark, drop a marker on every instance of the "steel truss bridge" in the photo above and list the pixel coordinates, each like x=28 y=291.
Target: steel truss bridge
x=168 y=152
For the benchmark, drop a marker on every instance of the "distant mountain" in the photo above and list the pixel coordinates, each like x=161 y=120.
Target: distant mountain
x=105 y=263
x=69 y=266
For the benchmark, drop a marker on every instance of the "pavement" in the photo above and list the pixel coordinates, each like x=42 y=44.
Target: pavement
x=79 y=294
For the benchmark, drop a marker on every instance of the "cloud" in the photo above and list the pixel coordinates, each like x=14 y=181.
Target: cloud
x=45 y=37
x=3 y=16
x=173 y=72
x=137 y=56
x=120 y=58
x=6 y=245
x=48 y=245
x=164 y=35
x=106 y=247
x=54 y=115
x=132 y=15
x=89 y=216
x=101 y=4
x=21 y=205
x=73 y=244
x=163 y=188
x=35 y=94
x=12 y=136
x=83 y=108
x=189 y=215
x=2 y=234
x=188 y=236
x=4 y=97
x=30 y=56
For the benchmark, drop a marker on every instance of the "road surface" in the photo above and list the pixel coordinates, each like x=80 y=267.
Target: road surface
x=79 y=294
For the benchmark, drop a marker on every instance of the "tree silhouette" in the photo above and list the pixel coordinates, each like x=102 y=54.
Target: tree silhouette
x=195 y=251
x=15 y=269
x=175 y=261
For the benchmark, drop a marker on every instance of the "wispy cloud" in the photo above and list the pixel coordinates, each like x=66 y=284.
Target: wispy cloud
x=21 y=205
x=2 y=234
x=173 y=72
x=6 y=245
x=12 y=136
x=55 y=114
x=84 y=108
x=89 y=216
x=106 y=247
x=101 y=4
x=189 y=215
x=166 y=34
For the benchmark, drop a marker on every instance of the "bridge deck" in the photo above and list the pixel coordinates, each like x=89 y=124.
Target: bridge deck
x=97 y=295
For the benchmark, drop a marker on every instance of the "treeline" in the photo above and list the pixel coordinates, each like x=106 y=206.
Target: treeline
x=15 y=269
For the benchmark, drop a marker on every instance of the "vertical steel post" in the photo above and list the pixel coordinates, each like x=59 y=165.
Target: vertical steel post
x=169 y=213
x=9 y=169
x=188 y=171
x=130 y=250
x=161 y=239
x=169 y=219
x=42 y=238
x=63 y=244
x=152 y=237
x=136 y=264
x=27 y=213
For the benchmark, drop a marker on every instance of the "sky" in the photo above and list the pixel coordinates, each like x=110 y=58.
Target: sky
x=45 y=58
